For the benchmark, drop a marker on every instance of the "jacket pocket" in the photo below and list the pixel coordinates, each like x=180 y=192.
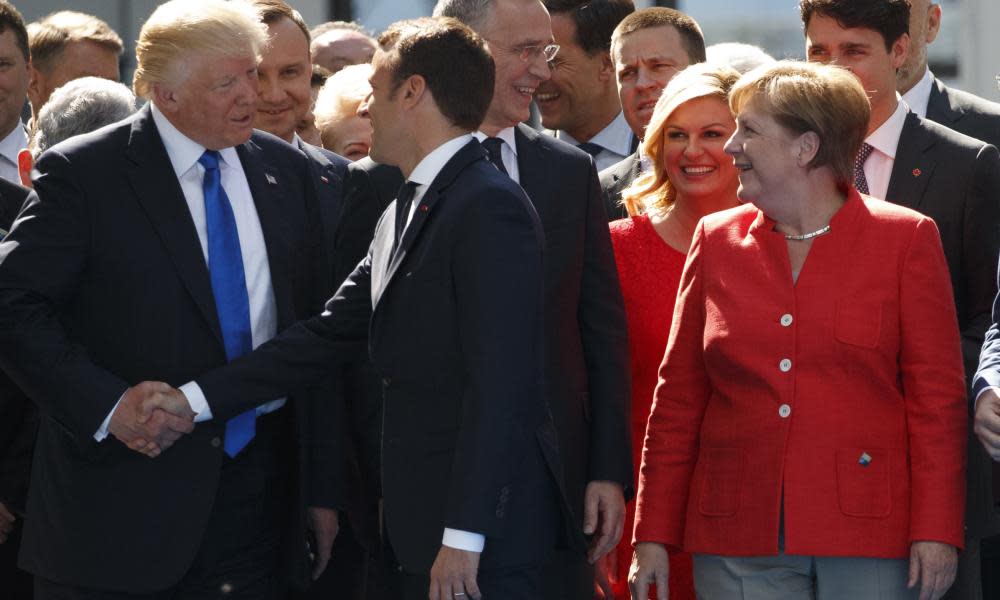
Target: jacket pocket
x=863 y=482
x=722 y=482
x=858 y=323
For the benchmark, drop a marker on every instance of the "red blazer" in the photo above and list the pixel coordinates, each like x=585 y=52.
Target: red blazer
x=840 y=398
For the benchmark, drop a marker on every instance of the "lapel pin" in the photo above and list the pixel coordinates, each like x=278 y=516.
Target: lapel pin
x=270 y=179
x=423 y=208
x=324 y=179
x=865 y=459
x=917 y=172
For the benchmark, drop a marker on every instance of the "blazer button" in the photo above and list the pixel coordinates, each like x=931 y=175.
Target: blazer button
x=216 y=442
x=784 y=411
x=387 y=381
x=785 y=365
x=786 y=320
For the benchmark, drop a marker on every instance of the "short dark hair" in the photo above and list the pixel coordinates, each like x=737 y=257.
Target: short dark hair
x=890 y=18
x=691 y=36
x=11 y=19
x=452 y=59
x=49 y=36
x=595 y=20
x=272 y=11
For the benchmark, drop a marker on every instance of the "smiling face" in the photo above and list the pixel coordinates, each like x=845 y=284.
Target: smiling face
x=694 y=157
x=285 y=73
x=765 y=155
x=645 y=62
x=215 y=103
x=513 y=25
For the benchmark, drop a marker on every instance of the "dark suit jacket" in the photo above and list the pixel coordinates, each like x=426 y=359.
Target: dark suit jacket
x=955 y=180
x=104 y=286
x=454 y=329
x=965 y=113
x=615 y=179
x=18 y=416
x=586 y=366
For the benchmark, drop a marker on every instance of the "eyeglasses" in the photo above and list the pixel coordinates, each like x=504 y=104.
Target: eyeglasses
x=530 y=51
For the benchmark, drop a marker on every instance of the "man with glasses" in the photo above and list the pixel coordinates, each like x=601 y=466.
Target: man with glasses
x=586 y=350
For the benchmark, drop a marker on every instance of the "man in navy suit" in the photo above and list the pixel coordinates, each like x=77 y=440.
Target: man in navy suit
x=158 y=248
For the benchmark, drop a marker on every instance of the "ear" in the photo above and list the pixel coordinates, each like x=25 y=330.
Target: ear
x=165 y=98
x=25 y=162
x=807 y=147
x=35 y=85
x=897 y=54
x=413 y=90
x=607 y=72
x=933 y=22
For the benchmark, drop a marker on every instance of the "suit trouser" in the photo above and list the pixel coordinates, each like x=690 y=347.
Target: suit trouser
x=14 y=583
x=239 y=553
x=568 y=576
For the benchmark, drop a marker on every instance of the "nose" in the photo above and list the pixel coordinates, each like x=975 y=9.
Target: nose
x=250 y=89
x=644 y=79
x=693 y=147
x=732 y=146
x=539 y=67
x=363 y=108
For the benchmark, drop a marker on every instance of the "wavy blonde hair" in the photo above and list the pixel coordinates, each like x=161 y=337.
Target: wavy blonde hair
x=652 y=191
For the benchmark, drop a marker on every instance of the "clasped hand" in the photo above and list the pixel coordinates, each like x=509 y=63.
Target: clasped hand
x=150 y=417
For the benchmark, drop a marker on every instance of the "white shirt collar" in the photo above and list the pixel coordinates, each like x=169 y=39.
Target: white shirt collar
x=507 y=135
x=616 y=136
x=14 y=142
x=428 y=168
x=886 y=137
x=920 y=95
x=182 y=150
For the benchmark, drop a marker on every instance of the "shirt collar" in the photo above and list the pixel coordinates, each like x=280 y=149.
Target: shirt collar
x=428 y=168
x=919 y=95
x=14 y=142
x=182 y=150
x=885 y=139
x=507 y=135
x=616 y=136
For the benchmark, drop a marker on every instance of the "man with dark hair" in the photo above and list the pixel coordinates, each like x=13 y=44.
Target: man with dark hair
x=917 y=163
x=338 y=44
x=67 y=45
x=586 y=357
x=648 y=48
x=450 y=300
x=579 y=103
x=16 y=57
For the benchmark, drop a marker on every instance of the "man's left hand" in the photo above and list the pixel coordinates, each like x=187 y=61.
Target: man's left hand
x=933 y=566
x=324 y=523
x=603 y=516
x=453 y=576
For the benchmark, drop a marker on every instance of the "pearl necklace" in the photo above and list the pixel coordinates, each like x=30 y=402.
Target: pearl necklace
x=807 y=236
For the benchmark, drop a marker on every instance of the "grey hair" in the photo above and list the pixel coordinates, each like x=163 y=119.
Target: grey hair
x=474 y=13
x=742 y=57
x=80 y=106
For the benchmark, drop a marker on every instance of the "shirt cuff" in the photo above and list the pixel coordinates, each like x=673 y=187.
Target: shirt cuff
x=463 y=540
x=197 y=402
x=975 y=404
x=102 y=432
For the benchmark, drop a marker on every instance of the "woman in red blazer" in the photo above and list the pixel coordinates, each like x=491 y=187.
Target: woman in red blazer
x=810 y=416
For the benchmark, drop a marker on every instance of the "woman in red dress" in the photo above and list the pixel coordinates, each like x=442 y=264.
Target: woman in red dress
x=690 y=177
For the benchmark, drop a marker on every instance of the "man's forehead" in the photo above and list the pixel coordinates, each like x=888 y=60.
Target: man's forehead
x=651 y=41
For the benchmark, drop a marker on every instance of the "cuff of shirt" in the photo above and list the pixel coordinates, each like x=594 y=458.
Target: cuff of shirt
x=463 y=540
x=197 y=402
x=102 y=432
x=980 y=395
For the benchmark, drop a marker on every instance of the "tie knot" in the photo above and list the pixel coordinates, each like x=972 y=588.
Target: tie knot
x=493 y=145
x=591 y=149
x=209 y=159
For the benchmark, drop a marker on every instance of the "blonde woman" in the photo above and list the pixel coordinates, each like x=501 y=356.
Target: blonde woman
x=336 y=111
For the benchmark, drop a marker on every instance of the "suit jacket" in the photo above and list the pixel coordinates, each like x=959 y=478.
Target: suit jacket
x=836 y=401
x=103 y=284
x=965 y=113
x=955 y=180
x=614 y=180
x=453 y=322
x=586 y=367
x=18 y=416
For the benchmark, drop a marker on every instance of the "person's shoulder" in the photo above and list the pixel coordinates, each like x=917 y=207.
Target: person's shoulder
x=275 y=147
x=555 y=148
x=368 y=167
x=736 y=218
x=970 y=103
x=889 y=212
x=619 y=170
x=948 y=139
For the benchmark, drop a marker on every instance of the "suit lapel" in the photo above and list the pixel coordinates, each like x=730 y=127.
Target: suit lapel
x=159 y=193
x=913 y=165
x=329 y=187
x=939 y=107
x=530 y=156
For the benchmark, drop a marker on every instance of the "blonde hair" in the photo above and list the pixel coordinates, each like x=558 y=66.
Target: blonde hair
x=652 y=191
x=825 y=99
x=341 y=95
x=181 y=28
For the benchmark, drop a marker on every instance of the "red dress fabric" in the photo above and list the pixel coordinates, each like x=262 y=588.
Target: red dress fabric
x=650 y=271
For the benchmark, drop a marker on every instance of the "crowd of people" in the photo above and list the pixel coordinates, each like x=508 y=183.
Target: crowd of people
x=525 y=299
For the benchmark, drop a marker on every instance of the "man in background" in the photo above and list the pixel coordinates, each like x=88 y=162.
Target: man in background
x=16 y=58
x=337 y=44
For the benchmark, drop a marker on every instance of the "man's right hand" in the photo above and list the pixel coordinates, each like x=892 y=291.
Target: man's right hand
x=7 y=519
x=987 y=422
x=149 y=431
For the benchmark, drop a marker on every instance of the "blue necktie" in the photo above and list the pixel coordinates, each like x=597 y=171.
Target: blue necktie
x=229 y=286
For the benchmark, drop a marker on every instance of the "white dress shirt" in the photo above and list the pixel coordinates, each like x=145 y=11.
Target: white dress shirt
x=423 y=175
x=15 y=141
x=184 y=154
x=884 y=140
x=615 y=141
x=508 y=151
x=920 y=95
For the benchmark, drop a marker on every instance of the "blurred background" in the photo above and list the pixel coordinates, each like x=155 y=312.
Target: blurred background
x=966 y=54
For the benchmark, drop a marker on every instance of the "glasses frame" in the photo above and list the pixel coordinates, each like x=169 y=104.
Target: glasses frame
x=529 y=51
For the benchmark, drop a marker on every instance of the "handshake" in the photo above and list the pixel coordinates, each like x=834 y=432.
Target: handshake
x=150 y=417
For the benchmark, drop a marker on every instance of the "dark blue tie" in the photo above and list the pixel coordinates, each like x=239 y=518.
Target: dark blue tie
x=229 y=286
x=591 y=149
